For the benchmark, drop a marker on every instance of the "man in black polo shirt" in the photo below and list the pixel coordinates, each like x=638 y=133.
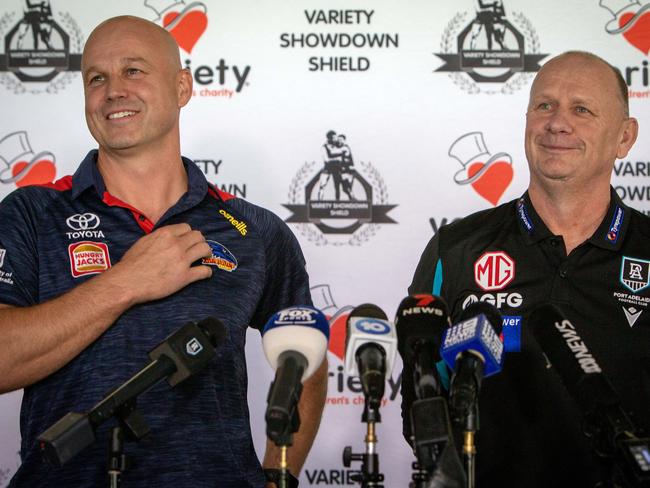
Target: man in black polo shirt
x=569 y=241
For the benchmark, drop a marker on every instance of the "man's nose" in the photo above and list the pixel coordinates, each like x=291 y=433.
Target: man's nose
x=115 y=88
x=559 y=121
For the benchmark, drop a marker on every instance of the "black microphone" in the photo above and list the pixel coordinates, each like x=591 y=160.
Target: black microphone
x=612 y=431
x=575 y=364
x=420 y=322
x=181 y=355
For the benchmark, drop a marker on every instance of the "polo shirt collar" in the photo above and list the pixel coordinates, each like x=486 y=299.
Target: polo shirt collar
x=87 y=176
x=531 y=226
x=609 y=234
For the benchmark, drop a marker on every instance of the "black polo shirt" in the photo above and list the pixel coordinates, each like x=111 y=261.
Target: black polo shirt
x=530 y=432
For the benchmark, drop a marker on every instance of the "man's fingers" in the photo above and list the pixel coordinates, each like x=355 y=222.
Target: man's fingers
x=197 y=273
x=175 y=229
x=198 y=250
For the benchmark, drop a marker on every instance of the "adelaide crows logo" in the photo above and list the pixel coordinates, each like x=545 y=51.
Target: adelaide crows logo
x=489 y=49
x=339 y=197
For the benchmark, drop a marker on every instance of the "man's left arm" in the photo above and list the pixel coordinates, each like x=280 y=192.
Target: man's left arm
x=310 y=409
x=288 y=285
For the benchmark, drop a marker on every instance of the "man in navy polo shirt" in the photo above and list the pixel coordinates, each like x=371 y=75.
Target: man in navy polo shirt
x=100 y=267
x=568 y=241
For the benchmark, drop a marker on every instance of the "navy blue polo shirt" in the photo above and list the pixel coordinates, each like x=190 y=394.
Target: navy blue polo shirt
x=56 y=237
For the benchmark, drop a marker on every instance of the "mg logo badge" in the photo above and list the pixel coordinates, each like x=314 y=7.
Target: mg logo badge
x=494 y=270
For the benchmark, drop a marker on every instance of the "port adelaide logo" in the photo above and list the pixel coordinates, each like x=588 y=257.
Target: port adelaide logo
x=491 y=50
x=342 y=198
x=42 y=51
x=635 y=274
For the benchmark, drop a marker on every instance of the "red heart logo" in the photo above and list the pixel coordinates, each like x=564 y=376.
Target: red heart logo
x=189 y=29
x=639 y=34
x=493 y=183
x=338 y=324
x=42 y=172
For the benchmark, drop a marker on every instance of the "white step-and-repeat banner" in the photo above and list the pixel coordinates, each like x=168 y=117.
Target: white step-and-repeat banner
x=426 y=99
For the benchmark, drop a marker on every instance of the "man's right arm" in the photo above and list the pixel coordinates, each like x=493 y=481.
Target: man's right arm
x=40 y=339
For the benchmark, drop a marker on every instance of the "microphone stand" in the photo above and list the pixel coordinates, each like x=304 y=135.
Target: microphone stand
x=117 y=460
x=369 y=476
x=465 y=411
x=431 y=436
x=282 y=416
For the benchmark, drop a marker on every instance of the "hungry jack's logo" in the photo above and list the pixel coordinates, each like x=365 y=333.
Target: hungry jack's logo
x=338 y=199
x=20 y=165
x=88 y=258
x=186 y=23
x=38 y=47
x=489 y=175
x=489 y=49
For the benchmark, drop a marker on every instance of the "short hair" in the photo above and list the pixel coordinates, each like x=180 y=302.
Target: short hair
x=620 y=81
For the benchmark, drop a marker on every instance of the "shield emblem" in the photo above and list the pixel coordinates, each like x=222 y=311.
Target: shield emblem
x=635 y=273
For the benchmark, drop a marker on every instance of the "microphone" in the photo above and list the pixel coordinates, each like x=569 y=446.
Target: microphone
x=181 y=355
x=420 y=322
x=612 y=430
x=568 y=354
x=370 y=349
x=295 y=343
x=472 y=348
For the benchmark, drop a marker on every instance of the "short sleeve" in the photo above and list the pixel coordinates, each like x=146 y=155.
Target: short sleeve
x=18 y=251
x=286 y=280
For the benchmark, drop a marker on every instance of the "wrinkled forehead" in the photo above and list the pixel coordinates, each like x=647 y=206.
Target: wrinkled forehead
x=575 y=76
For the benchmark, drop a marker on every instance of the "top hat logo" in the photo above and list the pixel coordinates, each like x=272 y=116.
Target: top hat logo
x=631 y=19
x=490 y=175
x=186 y=23
x=19 y=164
x=323 y=300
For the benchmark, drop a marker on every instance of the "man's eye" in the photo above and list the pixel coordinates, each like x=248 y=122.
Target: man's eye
x=544 y=106
x=95 y=79
x=133 y=71
x=582 y=110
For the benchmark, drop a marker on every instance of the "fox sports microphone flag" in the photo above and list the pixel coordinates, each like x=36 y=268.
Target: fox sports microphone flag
x=302 y=329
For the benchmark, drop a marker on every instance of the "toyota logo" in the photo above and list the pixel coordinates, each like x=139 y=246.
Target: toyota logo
x=85 y=221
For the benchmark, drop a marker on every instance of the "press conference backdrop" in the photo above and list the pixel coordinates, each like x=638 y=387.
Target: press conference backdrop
x=426 y=97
